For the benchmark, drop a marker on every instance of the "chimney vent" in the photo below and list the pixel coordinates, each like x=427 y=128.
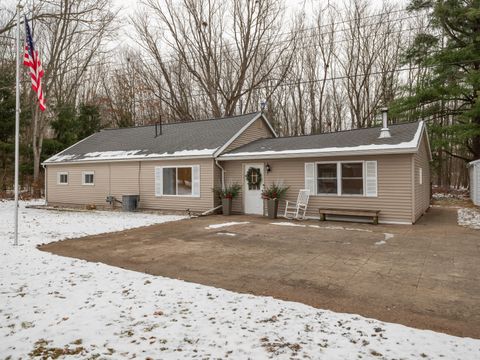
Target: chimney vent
x=385 y=132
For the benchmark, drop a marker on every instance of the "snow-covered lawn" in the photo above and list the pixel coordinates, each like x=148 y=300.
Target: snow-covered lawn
x=51 y=305
x=469 y=217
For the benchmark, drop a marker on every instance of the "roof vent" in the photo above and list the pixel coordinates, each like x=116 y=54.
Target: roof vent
x=158 y=127
x=385 y=132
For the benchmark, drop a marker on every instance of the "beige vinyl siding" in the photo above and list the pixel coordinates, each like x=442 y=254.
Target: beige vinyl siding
x=124 y=179
x=127 y=178
x=75 y=193
x=394 y=185
x=421 y=191
x=257 y=130
x=234 y=171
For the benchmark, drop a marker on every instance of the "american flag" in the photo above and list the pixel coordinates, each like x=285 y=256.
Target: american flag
x=32 y=60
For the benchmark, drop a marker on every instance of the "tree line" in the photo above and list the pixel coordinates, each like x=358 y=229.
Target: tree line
x=318 y=69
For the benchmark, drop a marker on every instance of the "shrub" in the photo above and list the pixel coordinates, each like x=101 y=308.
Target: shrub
x=274 y=191
x=230 y=192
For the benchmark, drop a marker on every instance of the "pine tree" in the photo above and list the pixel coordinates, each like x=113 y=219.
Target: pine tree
x=449 y=95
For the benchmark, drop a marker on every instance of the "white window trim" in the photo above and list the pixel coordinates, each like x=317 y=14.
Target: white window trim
x=59 y=174
x=88 y=173
x=176 y=167
x=420 y=176
x=339 y=178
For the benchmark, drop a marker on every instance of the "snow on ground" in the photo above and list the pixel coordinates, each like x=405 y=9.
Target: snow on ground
x=469 y=217
x=52 y=305
x=217 y=226
x=382 y=242
x=287 y=224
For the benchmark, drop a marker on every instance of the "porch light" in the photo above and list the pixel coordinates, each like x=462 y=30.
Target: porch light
x=268 y=168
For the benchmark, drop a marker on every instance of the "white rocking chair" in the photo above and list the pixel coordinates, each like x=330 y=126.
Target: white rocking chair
x=297 y=210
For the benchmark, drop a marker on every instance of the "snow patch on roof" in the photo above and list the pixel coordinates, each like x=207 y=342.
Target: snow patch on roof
x=127 y=155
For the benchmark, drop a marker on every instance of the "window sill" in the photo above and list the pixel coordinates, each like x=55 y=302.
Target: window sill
x=88 y=184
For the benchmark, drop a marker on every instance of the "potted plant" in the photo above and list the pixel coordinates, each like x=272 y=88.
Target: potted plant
x=227 y=194
x=272 y=194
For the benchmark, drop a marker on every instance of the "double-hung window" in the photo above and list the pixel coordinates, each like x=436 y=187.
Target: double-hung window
x=88 y=178
x=353 y=178
x=62 y=178
x=327 y=181
x=177 y=180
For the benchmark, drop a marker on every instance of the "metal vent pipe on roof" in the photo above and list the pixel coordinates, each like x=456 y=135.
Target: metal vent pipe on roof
x=158 y=128
x=385 y=131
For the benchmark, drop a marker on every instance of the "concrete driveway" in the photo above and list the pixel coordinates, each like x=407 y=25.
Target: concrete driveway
x=425 y=276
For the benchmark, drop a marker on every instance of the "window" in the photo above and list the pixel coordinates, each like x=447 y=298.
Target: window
x=352 y=178
x=88 y=178
x=177 y=181
x=327 y=179
x=62 y=178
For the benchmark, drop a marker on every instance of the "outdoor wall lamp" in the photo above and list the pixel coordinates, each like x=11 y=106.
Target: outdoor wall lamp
x=268 y=168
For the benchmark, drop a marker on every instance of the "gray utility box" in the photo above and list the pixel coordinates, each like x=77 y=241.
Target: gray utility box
x=130 y=202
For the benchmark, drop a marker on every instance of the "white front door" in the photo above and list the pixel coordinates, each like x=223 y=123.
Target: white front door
x=253 y=184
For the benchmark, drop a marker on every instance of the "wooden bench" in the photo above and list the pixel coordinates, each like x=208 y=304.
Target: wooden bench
x=346 y=212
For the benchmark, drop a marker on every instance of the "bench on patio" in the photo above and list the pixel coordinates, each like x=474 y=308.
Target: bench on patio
x=350 y=212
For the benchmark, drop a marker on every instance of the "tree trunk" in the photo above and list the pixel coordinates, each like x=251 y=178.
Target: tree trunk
x=476 y=140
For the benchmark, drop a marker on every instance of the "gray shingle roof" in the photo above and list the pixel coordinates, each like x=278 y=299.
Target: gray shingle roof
x=403 y=136
x=194 y=138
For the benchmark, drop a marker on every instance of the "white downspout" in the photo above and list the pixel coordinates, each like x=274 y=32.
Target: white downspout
x=223 y=173
x=45 y=183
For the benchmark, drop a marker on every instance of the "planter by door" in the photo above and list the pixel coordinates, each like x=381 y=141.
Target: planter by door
x=272 y=206
x=226 y=206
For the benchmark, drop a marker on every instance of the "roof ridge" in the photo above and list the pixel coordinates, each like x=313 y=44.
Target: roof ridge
x=183 y=122
x=346 y=130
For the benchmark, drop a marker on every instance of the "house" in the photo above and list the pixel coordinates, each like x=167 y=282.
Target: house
x=176 y=167
x=474 y=172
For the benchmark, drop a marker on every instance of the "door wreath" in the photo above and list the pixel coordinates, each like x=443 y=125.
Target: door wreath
x=254 y=178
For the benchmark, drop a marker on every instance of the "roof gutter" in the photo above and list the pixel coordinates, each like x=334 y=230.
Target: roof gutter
x=318 y=154
x=166 y=158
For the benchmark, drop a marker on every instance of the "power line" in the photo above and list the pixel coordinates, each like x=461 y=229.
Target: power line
x=175 y=61
x=170 y=59
x=282 y=84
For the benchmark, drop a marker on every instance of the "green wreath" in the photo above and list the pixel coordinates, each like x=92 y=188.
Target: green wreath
x=249 y=174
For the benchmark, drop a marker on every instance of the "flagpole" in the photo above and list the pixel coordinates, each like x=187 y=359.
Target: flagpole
x=17 y=125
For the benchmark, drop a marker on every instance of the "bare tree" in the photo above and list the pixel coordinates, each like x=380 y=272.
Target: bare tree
x=72 y=39
x=223 y=50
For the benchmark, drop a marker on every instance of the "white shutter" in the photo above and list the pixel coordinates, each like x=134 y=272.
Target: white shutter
x=158 y=181
x=310 y=177
x=371 y=178
x=196 y=180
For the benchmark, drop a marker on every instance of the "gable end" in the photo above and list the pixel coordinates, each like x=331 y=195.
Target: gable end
x=258 y=128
